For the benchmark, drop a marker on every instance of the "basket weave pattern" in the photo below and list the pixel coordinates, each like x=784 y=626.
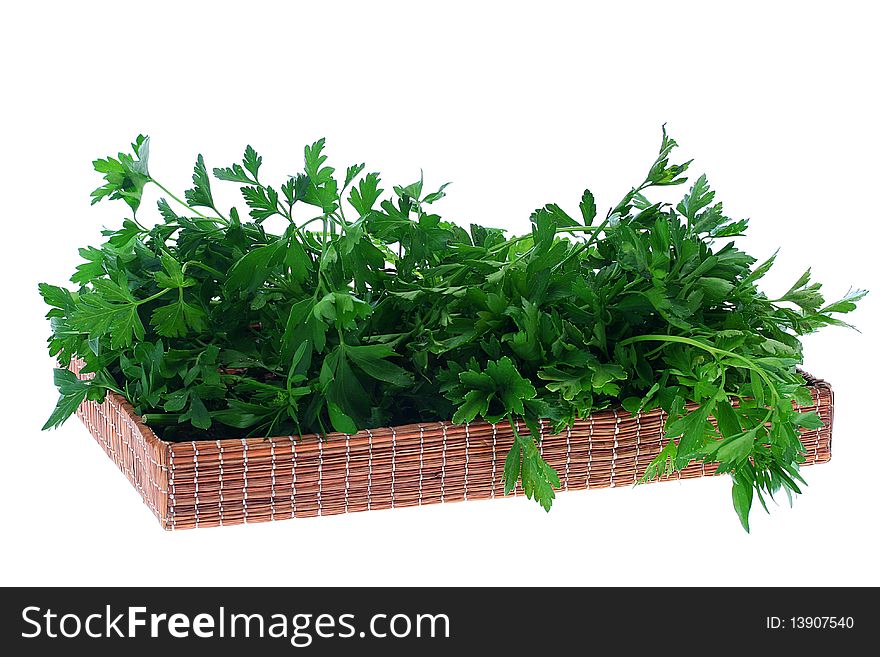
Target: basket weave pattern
x=232 y=481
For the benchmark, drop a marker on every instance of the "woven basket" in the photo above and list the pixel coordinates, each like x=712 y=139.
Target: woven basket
x=225 y=482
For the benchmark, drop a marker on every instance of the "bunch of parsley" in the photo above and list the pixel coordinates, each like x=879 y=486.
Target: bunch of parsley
x=376 y=312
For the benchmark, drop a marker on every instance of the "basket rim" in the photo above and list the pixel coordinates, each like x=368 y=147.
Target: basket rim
x=368 y=436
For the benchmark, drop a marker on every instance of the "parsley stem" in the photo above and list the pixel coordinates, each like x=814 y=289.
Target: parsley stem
x=322 y=276
x=155 y=296
x=310 y=221
x=138 y=223
x=595 y=235
x=575 y=252
x=516 y=436
x=186 y=205
x=750 y=364
x=220 y=276
x=109 y=386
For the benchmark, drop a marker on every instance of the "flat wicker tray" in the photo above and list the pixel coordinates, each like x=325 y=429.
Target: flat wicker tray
x=233 y=481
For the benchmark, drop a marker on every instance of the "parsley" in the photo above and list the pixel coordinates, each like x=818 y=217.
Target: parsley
x=375 y=311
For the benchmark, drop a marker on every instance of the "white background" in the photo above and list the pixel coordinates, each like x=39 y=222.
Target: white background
x=519 y=105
